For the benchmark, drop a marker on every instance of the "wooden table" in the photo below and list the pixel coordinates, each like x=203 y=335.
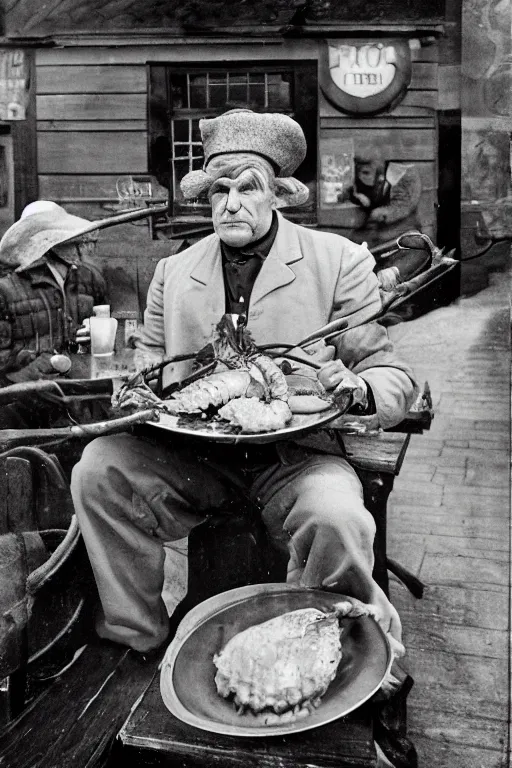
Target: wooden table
x=377 y=458
x=153 y=737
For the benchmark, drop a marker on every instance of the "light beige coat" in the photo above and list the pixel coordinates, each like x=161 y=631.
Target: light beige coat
x=308 y=279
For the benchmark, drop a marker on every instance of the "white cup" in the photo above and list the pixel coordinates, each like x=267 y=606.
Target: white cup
x=103 y=335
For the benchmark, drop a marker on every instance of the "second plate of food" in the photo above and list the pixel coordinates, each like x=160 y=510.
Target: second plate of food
x=187 y=681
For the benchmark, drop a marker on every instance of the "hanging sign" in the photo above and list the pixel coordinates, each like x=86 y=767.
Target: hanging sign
x=365 y=77
x=13 y=85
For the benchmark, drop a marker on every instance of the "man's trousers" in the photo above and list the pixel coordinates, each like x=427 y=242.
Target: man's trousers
x=133 y=493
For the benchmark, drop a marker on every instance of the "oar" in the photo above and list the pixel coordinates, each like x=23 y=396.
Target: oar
x=11 y=438
x=335 y=326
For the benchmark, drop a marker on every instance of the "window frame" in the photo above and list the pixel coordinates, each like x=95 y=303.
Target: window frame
x=163 y=125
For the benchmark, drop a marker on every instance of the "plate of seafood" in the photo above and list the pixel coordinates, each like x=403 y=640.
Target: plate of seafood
x=273 y=659
x=240 y=395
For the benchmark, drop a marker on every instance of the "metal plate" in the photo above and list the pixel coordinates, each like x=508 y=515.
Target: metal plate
x=300 y=425
x=187 y=675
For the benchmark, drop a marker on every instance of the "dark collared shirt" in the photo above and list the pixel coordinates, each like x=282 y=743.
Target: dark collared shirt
x=241 y=267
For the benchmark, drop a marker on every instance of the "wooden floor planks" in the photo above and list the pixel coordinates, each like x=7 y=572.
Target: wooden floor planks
x=449 y=518
x=74 y=722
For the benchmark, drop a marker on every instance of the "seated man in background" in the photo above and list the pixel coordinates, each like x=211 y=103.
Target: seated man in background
x=46 y=291
x=389 y=193
x=290 y=281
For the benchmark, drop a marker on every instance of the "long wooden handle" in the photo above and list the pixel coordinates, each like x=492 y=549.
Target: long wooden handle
x=132 y=214
x=336 y=325
x=11 y=438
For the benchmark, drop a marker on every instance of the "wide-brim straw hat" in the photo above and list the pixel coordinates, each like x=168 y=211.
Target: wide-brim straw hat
x=42 y=226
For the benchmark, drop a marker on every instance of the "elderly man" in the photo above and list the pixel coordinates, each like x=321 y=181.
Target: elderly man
x=290 y=281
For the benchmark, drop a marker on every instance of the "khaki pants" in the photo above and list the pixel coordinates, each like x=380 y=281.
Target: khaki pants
x=312 y=507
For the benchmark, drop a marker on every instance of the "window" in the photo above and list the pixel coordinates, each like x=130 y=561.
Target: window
x=180 y=97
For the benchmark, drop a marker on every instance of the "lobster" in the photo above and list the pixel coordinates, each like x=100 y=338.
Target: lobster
x=247 y=388
x=215 y=390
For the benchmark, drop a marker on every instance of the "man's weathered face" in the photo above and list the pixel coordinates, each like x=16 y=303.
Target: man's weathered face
x=242 y=206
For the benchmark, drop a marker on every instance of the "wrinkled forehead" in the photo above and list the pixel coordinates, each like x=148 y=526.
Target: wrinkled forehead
x=232 y=165
x=250 y=178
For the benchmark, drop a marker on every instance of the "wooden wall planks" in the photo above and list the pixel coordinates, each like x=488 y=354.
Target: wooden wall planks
x=91 y=110
x=91 y=125
x=122 y=152
x=424 y=76
x=398 y=144
x=415 y=105
x=449 y=87
x=65 y=77
x=92 y=106
x=62 y=187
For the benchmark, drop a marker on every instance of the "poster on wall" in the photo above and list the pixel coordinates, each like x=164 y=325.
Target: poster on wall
x=13 y=85
x=336 y=174
x=365 y=77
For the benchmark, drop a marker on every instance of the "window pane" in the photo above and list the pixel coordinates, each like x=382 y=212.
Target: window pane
x=179 y=91
x=196 y=133
x=181 y=150
x=197 y=163
x=218 y=96
x=181 y=167
x=237 y=79
x=197 y=97
x=180 y=130
x=217 y=79
x=256 y=96
x=197 y=80
x=257 y=77
x=197 y=91
x=279 y=95
x=237 y=93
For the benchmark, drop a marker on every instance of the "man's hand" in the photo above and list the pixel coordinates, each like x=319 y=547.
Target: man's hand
x=378 y=216
x=336 y=376
x=83 y=334
x=363 y=201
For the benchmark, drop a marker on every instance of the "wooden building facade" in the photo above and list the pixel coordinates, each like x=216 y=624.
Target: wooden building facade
x=94 y=121
x=111 y=109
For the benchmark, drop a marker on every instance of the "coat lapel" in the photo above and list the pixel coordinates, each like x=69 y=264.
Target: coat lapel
x=276 y=271
x=209 y=299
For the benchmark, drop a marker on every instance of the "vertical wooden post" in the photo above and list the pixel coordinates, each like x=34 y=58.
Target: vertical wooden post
x=24 y=142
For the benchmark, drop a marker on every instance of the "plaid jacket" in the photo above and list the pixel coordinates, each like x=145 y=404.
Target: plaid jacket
x=37 y=317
